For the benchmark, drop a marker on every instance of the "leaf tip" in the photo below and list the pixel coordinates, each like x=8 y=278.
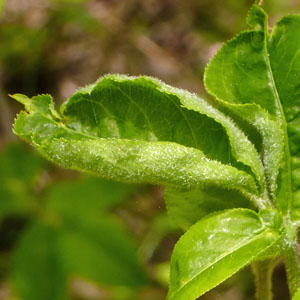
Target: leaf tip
x=23 y=99
x=257 y=17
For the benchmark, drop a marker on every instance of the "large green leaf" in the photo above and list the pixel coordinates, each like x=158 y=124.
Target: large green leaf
x=284 y=51
x=19 y=170
x=188 y=207
x=216 y=247
x=85 y=197
x=141 y=130
x=39 y=271
x=256 y=76
x=100 y=249
x=96 y=246
x=79 y=239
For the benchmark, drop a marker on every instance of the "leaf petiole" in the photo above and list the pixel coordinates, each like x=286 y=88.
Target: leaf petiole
x=263 y=271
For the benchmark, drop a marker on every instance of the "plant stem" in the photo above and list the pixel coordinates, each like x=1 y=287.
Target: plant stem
x=263 y=274
x=292 y=266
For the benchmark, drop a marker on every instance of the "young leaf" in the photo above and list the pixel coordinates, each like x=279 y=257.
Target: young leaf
x=256 y=76
x=285 y=61
x=215 y=248
x=241 y=77
x=141 y=130
x=188 y=207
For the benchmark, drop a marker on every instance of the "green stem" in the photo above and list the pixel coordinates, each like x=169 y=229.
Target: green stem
x=263 y=274
x=292 y=266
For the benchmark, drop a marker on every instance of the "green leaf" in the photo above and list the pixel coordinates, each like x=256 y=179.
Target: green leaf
x=39 y=271
x=297 y=295
x=256 y=77
x=187 y=207
x=285 y=61
x=100 y=249
x=19 y=170
x=141 y=130
x=96 y=249
x=217 y=247
x=94 y=245
x=84 y=198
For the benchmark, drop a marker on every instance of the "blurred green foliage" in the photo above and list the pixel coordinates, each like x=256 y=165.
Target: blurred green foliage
x=19 y=169
x=85 y=238
x=69 y=230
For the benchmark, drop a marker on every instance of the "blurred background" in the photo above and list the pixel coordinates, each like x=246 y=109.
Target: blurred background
x=64 y=235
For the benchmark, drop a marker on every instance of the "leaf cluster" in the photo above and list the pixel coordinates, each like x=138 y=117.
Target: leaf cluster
x=236 y=155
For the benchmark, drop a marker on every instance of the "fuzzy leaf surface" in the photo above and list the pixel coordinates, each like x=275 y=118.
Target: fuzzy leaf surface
x=256 y=76
x=141 y=130
x=215 y=248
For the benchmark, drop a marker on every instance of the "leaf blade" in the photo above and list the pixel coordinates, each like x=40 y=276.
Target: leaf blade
x=264 y=99
x=40 y=244
x=202 y=258
x=132 y=160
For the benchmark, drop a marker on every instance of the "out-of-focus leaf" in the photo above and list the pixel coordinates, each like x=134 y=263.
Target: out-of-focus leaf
x=72 y=12
x=2 y=3
x=102 y=251
x=297 y=295
x=160 y=226
x=39 y=271
x=19 y=168
x=217 y=247
x=187 y=207
x=85 y=197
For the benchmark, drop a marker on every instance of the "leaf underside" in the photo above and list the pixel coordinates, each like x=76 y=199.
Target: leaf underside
x=141 y=130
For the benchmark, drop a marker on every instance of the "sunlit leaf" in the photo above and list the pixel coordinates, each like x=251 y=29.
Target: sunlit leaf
x=256 y=77
x=215 y=248
x=140 y=130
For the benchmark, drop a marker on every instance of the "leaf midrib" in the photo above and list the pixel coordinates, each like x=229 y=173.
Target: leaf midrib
x=283 y=119
x=247 y=242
